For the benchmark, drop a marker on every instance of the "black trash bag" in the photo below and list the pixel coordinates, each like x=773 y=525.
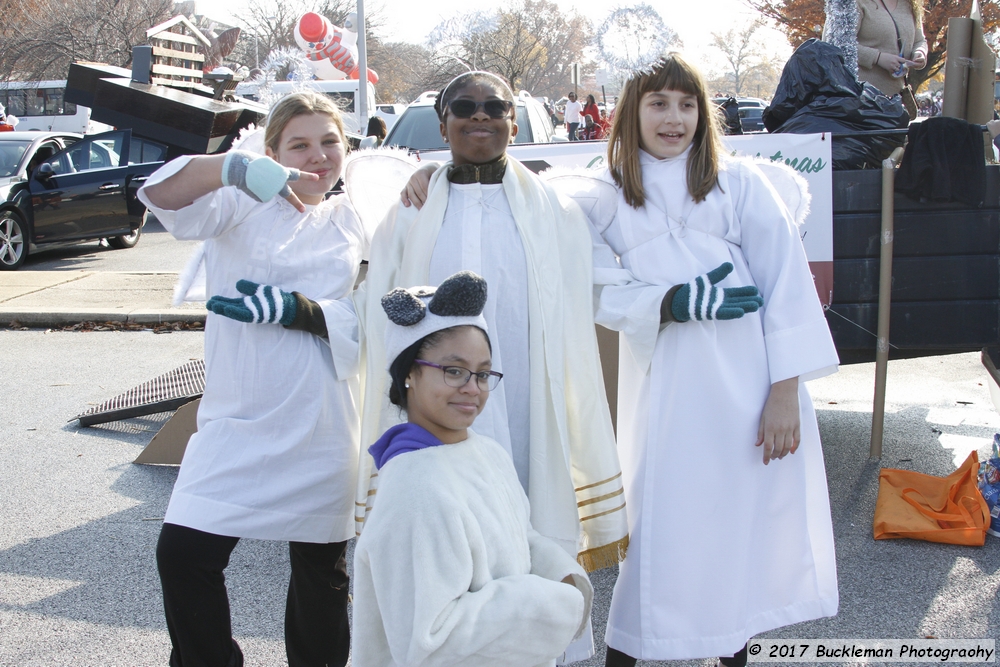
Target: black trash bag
x=815 y=69
x=817 y=93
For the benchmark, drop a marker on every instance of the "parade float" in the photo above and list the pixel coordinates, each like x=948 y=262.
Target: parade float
x=177 y=94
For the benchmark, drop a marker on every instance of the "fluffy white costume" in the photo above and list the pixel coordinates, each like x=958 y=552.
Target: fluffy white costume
x=449 y=571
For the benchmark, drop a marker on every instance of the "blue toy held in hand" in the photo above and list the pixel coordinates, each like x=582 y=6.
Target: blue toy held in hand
x=263 y=304
x=702 y=300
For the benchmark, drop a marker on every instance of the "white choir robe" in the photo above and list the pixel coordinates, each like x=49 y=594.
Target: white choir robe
x=478 y=234
x=276 y=455
x=722 y=547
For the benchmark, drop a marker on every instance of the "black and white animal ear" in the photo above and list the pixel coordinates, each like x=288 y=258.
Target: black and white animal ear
x=460 y=295
x=403 y=307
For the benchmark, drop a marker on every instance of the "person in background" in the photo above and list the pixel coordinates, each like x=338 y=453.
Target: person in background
x=275 y=455
x=994 y=128
x=376 y=128
x=572 y=116
x=590 y=130
x=7 y=122
x=591 y=109
x=605 y=122
x=449 y=570
x=890 y=41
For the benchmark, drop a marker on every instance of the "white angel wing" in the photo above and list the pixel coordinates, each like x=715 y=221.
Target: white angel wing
x=250 y=138
x=790 y=185
x=373 y=180
x=597 y=197
x=191 y=284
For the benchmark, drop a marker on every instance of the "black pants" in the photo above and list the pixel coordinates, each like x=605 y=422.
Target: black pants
x=616 y=658
x=571 y=131
x=191 y=564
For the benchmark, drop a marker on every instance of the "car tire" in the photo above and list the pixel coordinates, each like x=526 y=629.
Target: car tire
x=13 y=241
x=126 y=241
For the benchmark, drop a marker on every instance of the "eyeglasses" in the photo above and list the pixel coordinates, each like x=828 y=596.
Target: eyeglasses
x=456 y=376
x=467 y=108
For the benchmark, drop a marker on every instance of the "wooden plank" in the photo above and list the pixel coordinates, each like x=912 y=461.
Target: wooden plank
x=949 y=278
x=929 y=234
x=932 y=326
x=860 y=190
x=163 y=52
x=159 y=68
x=175 y=37
x=174 y=83
x=185 y=121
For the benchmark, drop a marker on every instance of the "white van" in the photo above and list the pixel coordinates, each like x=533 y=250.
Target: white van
x=40 y=105
x=344 y=91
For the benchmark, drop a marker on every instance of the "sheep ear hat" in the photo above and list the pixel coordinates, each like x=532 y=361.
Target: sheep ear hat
x=417 y=312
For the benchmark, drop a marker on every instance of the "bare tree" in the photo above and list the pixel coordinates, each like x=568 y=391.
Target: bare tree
x=42 y=37
x=742 y=52
x=531 y=43
x=406 y=70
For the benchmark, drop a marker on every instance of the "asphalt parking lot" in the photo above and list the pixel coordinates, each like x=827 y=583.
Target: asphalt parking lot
x=78 y=583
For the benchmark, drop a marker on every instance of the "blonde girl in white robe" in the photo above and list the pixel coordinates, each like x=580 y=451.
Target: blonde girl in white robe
x=488 y=213
x=275 y=455
x=449 y=570
x=728 y=507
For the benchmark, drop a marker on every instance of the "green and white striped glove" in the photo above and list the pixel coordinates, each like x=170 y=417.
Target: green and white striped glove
x=257 y=175
x=700 y=299
x=263 y=304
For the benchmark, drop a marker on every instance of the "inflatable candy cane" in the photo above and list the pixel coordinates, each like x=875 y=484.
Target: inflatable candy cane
x=331 y=51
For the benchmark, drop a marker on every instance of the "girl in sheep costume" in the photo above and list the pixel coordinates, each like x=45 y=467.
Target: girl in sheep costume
x=449 y=570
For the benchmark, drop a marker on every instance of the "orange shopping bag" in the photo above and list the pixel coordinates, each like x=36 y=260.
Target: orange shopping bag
x=948 y=509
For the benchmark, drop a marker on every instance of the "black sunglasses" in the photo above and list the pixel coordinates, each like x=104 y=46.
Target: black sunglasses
x=467 y=108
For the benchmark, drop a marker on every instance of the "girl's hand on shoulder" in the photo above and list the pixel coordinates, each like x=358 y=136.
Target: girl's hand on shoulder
x=779 y=433
x=415 y=192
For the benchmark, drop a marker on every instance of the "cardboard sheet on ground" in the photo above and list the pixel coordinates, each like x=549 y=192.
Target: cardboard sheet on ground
x=167 y=447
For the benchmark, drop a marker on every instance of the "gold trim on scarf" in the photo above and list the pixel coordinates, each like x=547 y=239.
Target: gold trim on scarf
x=598 y=499
x=590 y=486
x=605 y=556
x=594 y=516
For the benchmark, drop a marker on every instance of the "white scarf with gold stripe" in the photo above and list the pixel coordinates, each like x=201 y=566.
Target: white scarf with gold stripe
x=575 y=484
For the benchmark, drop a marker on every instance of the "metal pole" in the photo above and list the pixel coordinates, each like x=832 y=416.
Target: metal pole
x=362 y=71
x=884 y=301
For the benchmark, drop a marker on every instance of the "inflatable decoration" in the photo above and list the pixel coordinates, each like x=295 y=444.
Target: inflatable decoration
x=633 y=39
x=332 y=51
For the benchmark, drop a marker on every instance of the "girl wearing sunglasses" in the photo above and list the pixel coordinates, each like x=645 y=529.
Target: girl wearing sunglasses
x=449 y=570
x=487 y=213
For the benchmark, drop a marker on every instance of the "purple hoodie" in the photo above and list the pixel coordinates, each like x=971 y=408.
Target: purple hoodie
x=400 y=439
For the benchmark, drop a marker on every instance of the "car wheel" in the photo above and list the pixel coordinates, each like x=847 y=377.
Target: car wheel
x=128 y=240
x=13 y=241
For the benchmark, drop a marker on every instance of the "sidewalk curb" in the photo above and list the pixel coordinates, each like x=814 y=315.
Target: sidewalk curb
x=48 y=318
